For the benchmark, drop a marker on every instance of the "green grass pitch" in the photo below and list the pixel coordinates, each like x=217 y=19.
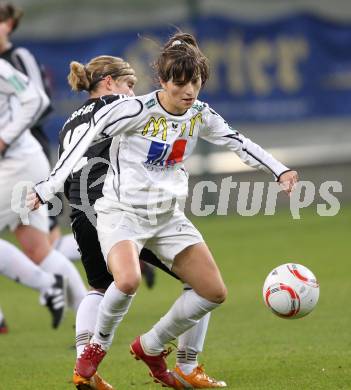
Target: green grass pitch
x=246 y=345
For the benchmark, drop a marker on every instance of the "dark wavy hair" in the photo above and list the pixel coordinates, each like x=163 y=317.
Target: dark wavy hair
x=181 y=60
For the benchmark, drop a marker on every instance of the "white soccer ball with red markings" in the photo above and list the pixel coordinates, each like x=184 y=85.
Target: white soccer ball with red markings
x=291 y=291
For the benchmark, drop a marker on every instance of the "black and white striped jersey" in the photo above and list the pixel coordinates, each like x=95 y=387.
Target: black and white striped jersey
x=147 y=158
x=89 y=188
x=21 y=105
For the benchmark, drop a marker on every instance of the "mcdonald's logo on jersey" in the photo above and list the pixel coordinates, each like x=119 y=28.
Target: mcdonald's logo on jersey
x=156 y=125
x=159 y=153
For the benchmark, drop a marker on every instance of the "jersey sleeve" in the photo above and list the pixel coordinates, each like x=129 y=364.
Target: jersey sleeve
x=217 y=131
x=26 y=63
x=29 y=66
x=32 y=100
x=113 y=119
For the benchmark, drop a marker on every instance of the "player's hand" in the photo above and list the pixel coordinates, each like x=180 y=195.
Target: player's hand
x=32 y=200
x=288 y=181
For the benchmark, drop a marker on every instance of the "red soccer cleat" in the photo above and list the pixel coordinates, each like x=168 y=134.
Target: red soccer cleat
x=3 y=327
x=157 y=365
x=89 y=360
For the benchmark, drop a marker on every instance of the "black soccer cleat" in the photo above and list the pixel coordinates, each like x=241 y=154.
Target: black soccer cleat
x=55 y=300
x=148 y=273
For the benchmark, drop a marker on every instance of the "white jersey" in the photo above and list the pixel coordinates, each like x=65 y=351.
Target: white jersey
x=21 y=104
x=148 y=156
x=24 y=61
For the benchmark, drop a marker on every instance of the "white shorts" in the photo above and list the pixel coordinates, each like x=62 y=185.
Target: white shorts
x=172 y=233
x=12 y=172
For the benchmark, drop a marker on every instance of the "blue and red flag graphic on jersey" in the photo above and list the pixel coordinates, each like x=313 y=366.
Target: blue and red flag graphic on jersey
x=158 y=152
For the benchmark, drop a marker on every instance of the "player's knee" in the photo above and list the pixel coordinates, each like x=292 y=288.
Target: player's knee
x=128 y=285
x=34 y=243
x=36 y=253
x=219 y=294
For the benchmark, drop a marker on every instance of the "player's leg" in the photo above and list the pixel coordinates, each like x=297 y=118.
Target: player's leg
x=193 y=263
x=208 y=292
x=16 y=266
x=36 y=246
x=98 y=275
x=33 y=237
x=99 y=279
x=188 y=309
x=188 y=370
x=123 y=262
x=121 y=249
x=191 y=342
x=85 y=325
x=3 y=325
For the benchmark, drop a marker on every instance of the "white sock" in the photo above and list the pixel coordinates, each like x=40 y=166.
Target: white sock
x=68 y=246
x=86 y=319
x=56 y=263
x=17 y=266
x=1 y=315
x=185 y=313
x=112 y=310
x=190 y=343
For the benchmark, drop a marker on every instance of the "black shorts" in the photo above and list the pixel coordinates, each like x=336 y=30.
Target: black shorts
x=93 y=259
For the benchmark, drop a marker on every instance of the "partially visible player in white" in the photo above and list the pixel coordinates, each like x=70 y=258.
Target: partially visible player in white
x=16 y=266
x=3 y=324
x=24 y=61
x=22 y=160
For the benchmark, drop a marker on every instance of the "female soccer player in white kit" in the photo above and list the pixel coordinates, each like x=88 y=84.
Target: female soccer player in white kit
x=157 y=132
x=26 y=104
x=82 y=192
x=22 y=160
x=24 y=61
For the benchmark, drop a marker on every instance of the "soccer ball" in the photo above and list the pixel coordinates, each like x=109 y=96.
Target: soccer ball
x=291 y=291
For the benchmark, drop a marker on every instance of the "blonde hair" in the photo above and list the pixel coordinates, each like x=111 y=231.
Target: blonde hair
x=10 y=11
x=86 y=77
